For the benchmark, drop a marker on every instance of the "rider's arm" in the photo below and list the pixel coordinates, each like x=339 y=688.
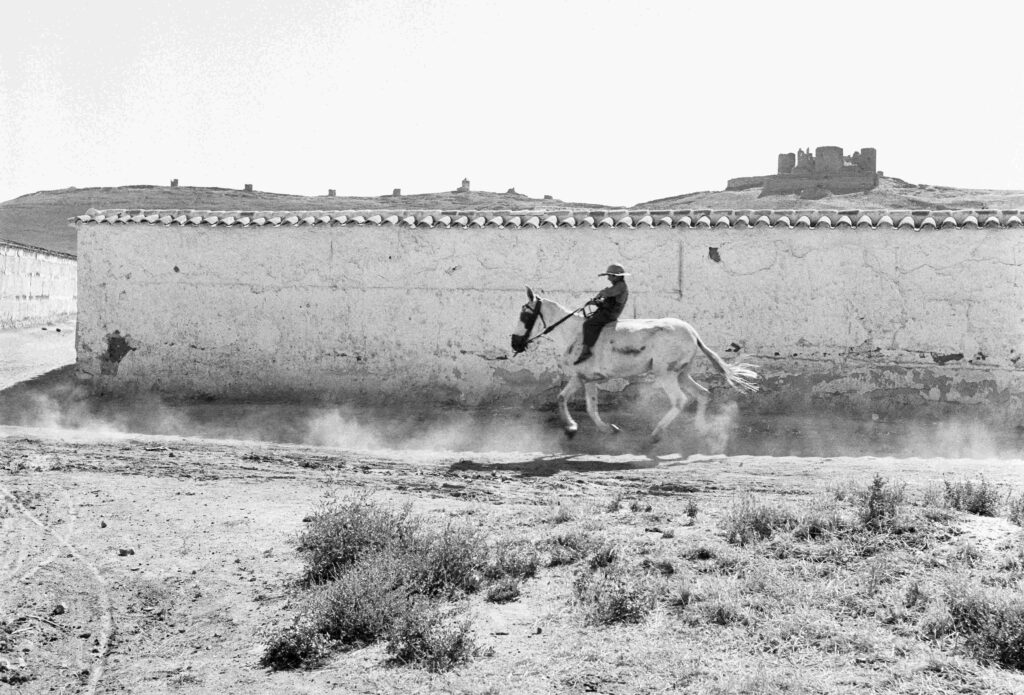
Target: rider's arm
x=613 y=291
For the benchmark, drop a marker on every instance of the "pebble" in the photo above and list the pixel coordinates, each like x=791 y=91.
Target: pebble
x=126 y=551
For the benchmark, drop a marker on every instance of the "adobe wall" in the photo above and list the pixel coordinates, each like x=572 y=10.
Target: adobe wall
x=876 y=318
x=36 y=286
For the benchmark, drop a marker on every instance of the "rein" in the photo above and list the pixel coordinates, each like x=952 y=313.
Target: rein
x=551 y=327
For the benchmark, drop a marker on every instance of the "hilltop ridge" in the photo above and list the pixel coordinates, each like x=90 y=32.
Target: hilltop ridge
x=890 y=194
x=40 y=219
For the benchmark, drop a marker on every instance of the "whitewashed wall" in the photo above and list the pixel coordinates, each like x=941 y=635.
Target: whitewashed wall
x=36 y=286
x=876 y=316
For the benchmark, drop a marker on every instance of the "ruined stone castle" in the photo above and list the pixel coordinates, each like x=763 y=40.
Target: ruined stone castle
x=813 y=176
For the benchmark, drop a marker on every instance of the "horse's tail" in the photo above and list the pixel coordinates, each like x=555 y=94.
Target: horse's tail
x=741 y=376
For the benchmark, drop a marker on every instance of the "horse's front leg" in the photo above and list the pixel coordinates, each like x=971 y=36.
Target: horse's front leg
x=563 y=406
x=591 y=389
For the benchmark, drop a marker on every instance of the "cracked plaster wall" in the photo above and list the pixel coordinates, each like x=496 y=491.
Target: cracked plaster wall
x=35 y=287
x=877 y=318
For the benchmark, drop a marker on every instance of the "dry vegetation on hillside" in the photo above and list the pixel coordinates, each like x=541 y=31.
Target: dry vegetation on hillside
x=40 y=219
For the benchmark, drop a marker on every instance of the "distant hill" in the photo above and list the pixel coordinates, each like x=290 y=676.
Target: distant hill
x=40 y=219
x=890 y=194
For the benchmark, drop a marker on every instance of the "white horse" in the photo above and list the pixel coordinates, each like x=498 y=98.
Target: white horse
x=627 y=349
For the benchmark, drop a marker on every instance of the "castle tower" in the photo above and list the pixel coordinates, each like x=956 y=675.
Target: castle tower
x=828 y=160
x=868 y=160
x=786 y=163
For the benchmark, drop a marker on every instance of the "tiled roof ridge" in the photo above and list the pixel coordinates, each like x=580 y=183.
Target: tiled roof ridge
x=564 y=217
x=37 y=249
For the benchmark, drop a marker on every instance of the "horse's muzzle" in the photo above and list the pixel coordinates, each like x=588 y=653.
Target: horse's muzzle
x=519 y=343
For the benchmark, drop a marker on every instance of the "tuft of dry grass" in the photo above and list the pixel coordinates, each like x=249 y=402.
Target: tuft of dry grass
x=974 y=497
x=614 y=594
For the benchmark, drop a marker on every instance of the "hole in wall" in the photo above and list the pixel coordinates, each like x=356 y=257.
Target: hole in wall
x=176 y=269
x=713 y=254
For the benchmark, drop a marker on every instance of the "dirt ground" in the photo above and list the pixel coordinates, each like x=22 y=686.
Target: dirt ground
x=155 y=564
x=26 y=353
x=149 y=547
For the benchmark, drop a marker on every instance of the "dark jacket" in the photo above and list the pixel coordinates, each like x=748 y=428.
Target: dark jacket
x=612 y=300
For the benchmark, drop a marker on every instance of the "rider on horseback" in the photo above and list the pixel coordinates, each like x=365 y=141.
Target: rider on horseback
x=609 y=302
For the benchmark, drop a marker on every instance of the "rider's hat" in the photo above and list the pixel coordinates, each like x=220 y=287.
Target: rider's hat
x=614 y=270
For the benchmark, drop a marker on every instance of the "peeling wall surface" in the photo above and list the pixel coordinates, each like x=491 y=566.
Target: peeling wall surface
x=882 y=318
x=36 y=285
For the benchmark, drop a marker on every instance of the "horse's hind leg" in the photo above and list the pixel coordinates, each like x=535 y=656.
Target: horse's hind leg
x=563 y=406
x=699 y=394
x=591 y=389
x=669 y=382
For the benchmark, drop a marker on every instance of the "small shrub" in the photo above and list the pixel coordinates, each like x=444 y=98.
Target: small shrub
x=448 y=561
x=968 y=554
x=691 y=509
x=568 y=548
x=981 y=497
x=931 y=495
x=614 y=504
x=383 y=573
x=749 y=521
x=880 y=504
x=429 y=636
x=992 y=625
x=662 y=567
x=503 y=591
x=342 y=530
x=562 y=515
x=614 y=595
x=818 y=523
x=604 y=556
x=1015 y=509
x=513 y=558
x=936 y=621
x=294 y=646
x=915 y=596
x=726 y=612
x=701 y=552
x=638 y=506
x=679 y=594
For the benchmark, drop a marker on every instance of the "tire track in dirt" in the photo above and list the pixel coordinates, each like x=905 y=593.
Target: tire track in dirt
x=55 y=552
x=106 y=617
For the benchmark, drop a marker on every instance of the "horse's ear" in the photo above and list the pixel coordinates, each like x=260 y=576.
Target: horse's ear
x=529 y=292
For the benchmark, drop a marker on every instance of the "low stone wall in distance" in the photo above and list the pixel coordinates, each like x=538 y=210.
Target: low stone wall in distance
x=36 y=286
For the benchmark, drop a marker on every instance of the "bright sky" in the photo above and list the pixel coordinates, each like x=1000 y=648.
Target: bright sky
x=588 y=100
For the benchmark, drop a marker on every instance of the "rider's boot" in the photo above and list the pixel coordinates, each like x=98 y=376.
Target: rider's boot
x=585 y=355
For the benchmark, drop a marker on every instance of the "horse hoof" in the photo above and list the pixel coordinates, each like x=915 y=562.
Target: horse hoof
x=570 y=433
x=614 y=429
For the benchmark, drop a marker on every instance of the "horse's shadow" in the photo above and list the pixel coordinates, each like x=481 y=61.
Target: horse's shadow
x=552 y=464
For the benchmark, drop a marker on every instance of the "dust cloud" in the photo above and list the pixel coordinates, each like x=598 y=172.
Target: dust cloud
x=56 y=402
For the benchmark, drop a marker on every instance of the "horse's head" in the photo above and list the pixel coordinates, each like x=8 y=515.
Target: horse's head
x=527 y=318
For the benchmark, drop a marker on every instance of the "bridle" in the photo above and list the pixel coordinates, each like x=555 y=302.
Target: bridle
x=528 y=317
